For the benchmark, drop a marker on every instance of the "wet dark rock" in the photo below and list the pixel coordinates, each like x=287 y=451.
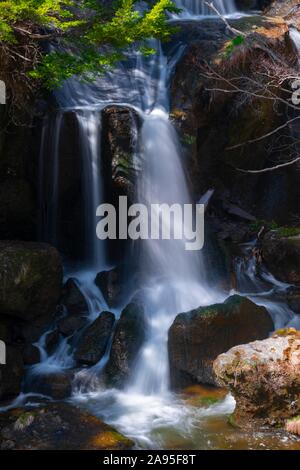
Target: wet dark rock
x=71 y=323
x=56 y=426
x=52 y=340
x=196 y=338
x=94 y=341
x=109 y=282
x=30 y=354
x=31 y=277
x=281 y=256
x=11 y=373
x=31 y=331
x=127 y=340
x=57 y=385
x=119 y=131
x=17 y=209
x=293 y=299
x=5 y=329
x=211 y=124
x=73 y=299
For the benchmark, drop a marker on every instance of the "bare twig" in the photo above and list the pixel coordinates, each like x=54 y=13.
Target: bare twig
x=266 y=170
x=233 y=30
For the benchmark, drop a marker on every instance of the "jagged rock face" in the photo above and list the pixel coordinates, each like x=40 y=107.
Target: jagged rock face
x=284 y=8
x=95 y=338
x=31 y=279
x=196 y=338
x=212 y=123
x=264 y=378
x=128 y=338
x=282 y=256
x=55 y=426
x=120 y=126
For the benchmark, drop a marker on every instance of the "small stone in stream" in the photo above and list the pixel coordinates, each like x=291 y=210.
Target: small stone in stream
x=58 y=426
x=31 y=354
x=127 y=341
x=51 y=342
x=68 y=325
x=93 y=343
x=109 y=282
x=293 y=298
x=73 y=299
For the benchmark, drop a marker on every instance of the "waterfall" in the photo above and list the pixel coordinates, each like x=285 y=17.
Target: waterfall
x=168 y=270
x=55 y=165
x=199 y=8
x=294 y=34
x=172 y=279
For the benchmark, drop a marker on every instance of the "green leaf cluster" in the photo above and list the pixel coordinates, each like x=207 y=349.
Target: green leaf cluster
x=89 y=36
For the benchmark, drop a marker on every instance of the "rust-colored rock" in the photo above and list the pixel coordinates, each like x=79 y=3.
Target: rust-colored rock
x=264 y=378
x=58 y=426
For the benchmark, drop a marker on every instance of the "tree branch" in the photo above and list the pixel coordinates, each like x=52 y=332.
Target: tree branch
x=266 y=170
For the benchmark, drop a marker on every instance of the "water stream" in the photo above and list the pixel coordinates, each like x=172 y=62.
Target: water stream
x=173 y=279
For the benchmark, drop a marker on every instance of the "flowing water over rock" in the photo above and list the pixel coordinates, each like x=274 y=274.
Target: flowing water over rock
x=172 y=280
x=200 y=8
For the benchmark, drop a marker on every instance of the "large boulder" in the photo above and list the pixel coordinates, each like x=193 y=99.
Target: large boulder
x=196 y=338
x=264 y=378
x=94 y=341
x=56 y=426
x=127 y=341
x=281 y=255
x=11 y=373
x=30 y=278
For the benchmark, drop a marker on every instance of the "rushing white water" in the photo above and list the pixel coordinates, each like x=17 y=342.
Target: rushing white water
x=172 y=279
x=200 y=8
x=263 y=289
x=294 y=34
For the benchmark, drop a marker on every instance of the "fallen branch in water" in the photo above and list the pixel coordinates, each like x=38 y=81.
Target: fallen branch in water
x=233 y=30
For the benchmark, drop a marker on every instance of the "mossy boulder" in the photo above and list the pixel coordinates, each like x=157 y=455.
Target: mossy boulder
x=127 y=340
x=30 y=279
x=58 y=426
x=196 y=338
x=264 y=378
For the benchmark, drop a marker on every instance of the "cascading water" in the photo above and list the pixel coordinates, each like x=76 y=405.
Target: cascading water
x=294 y=34
x=200 y=8
x=172 y=279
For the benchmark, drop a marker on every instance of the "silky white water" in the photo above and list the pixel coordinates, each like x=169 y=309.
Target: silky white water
x=197 y=8
x=173 y=280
